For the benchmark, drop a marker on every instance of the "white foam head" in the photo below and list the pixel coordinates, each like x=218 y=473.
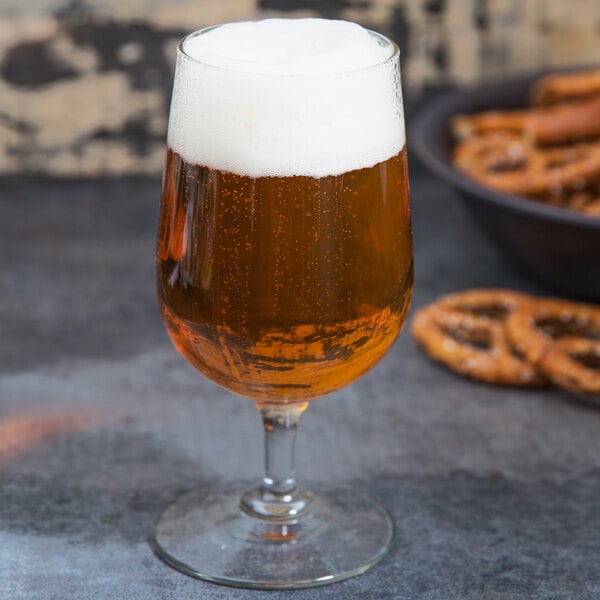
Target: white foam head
x=286 y=97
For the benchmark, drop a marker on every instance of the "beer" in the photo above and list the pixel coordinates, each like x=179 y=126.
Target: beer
x=284 y=271
x=284 y=260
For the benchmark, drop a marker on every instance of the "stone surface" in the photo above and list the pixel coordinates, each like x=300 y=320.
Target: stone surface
x=494 y=492
x=85 y=86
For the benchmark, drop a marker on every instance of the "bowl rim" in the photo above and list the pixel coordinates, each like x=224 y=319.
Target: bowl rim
x=432 y=120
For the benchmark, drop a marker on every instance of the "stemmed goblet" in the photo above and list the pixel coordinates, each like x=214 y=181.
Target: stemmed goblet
x=284 y=270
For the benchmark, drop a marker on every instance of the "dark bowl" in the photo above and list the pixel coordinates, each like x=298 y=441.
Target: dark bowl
x=557 y=246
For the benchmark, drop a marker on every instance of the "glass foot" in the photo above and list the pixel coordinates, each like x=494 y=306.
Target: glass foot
x=209 y=537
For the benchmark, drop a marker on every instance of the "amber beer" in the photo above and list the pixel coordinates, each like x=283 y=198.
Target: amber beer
x=284 y=288
x=284 y=263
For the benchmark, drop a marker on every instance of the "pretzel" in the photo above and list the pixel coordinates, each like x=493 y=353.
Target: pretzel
x=543 y=126
x=510 y=164
x=565 y=87
x=495 y=152
x=465 y=126
x=465 y=331
x=549 y=151
x=585 y=201
x=562 y=340
x=565 y=122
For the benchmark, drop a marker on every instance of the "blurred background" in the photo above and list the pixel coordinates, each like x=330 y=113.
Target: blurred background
x=85 y=85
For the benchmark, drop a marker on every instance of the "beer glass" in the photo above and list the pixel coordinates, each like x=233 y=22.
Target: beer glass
x=284 y=271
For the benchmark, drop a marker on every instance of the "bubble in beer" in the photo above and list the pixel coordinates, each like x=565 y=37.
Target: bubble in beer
x=283 y=97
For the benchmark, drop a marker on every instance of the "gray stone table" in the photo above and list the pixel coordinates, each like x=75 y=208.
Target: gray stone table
x=495 y=492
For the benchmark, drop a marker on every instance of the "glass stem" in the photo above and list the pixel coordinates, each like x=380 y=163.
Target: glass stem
x=280 y=449
x=278 y=497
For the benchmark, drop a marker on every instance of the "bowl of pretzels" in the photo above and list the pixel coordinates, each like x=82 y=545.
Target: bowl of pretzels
x=524 y=154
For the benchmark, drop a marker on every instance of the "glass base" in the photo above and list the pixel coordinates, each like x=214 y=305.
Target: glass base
x=209 y=537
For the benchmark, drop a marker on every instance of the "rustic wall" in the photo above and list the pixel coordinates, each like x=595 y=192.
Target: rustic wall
x=84 y=84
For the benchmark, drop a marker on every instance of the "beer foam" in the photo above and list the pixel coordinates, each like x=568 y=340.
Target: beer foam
x=283 y=97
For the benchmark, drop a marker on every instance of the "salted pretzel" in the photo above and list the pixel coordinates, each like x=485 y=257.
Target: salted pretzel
x=562 y=340
x=543 y=125
x=566 y=87
x=586 y=201
x=510 y=164
x=464 y=126
x=496 y=152
x=549 y=151
x=465 y=331
x=563 y=123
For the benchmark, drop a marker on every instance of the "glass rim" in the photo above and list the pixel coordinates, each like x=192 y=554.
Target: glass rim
x=392 y=58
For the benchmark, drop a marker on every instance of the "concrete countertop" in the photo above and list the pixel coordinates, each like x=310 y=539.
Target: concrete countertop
x=494 y=492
